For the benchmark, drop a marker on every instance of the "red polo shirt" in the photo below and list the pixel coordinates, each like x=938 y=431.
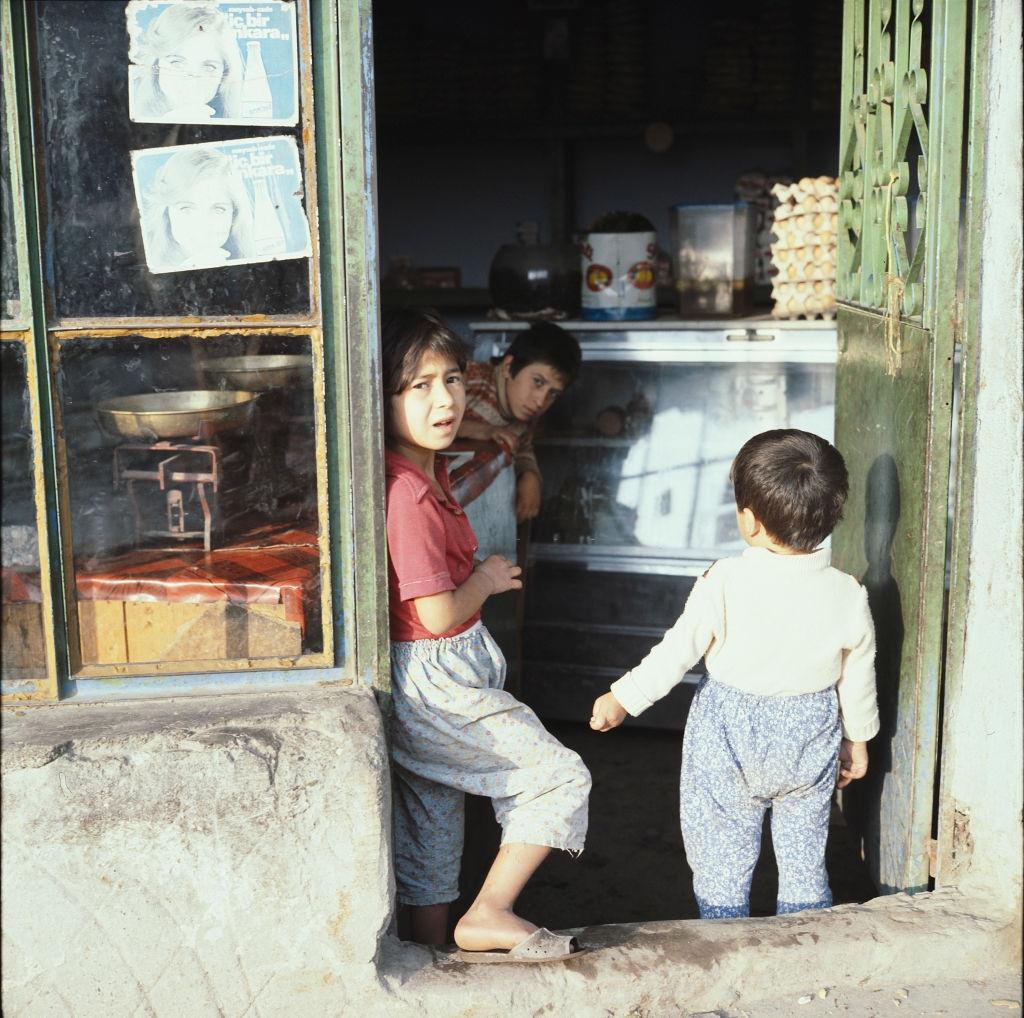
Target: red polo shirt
x=430 y=544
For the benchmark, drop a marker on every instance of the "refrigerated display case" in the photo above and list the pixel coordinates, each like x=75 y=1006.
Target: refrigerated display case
x=637 y=499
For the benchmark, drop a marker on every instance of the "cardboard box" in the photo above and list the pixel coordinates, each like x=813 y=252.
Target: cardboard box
x=140 y=632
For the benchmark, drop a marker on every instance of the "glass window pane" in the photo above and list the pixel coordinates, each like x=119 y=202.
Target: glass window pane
x=24 y=656
x=637 y=456
x=191 y=468
x=95 y=234
x=10 y=291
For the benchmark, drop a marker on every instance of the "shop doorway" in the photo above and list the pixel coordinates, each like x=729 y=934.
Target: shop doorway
x=554 y=113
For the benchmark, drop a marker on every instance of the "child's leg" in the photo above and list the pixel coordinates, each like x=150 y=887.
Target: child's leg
x=799 y=833
x=720 y=819
x=800 y=817
x=428 y=834
x=490 y=921
x=428 y=924
x=480 y=739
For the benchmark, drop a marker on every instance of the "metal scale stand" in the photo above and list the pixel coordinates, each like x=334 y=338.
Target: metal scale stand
x=170 y=464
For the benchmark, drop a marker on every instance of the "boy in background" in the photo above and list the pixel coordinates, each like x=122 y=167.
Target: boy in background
x=504 y=401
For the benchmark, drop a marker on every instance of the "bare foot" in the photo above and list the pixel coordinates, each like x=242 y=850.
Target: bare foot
x=490 y=929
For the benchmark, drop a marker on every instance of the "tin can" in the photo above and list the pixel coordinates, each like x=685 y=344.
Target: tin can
x=618 y=269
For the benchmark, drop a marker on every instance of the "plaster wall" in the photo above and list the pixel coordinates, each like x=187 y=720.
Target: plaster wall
x=217 y=855
x=980 y=819
x=456 y=203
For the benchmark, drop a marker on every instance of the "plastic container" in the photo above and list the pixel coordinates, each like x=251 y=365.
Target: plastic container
x=618 y=263
x=713 y=255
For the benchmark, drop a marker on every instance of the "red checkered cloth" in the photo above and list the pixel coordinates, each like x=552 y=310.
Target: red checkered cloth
x=471 y=479
x=281 y=567
x=20 y=586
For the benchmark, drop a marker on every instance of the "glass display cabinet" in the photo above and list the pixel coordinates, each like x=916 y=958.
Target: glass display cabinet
x=637 y=499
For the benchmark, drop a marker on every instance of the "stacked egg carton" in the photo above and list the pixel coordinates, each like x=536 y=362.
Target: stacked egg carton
x=755 y=188
x=804 y=249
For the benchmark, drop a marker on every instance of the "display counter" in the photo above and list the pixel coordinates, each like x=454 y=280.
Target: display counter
x=637 y=499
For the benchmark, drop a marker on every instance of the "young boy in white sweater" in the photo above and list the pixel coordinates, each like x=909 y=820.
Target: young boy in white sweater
x=789 y=700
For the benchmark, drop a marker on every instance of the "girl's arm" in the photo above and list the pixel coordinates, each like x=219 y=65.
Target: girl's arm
x=441 y=612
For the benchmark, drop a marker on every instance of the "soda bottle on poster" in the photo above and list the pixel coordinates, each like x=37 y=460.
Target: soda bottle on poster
x=268 y=233
x=257 y=99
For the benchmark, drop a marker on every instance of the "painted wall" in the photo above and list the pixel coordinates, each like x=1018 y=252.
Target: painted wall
x=456 y=202
x=980 y=825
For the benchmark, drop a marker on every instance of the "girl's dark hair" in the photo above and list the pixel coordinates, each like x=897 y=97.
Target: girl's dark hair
x=545 y=343
x=794 y=482
x=406 y=336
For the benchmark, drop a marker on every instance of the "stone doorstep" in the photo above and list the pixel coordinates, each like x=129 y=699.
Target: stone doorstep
x=636 y=970
x=665 y=969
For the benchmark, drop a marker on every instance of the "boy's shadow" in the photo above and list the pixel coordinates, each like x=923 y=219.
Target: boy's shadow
x=863 y=799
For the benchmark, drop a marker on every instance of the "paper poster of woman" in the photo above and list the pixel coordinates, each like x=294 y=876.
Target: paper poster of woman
x=187 y=64
x=197 y=214
x=210 y=205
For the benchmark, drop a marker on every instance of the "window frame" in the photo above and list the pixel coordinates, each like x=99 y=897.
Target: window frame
x=80 y=670
x=19 y=330
x=338 y=177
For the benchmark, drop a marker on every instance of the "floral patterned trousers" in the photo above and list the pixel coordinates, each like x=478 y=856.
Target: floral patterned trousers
x=454 y=730
x=744 y=754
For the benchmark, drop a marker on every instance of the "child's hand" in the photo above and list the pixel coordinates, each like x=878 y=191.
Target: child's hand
x=527 y=496
x=501 y=573
x=853 y=762
x=608 y=713
x=508 y=438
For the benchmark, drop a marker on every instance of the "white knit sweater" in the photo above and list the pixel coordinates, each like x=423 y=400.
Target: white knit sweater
x=774 y=625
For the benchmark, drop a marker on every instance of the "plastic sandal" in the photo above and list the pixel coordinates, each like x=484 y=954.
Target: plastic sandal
x=540 y=946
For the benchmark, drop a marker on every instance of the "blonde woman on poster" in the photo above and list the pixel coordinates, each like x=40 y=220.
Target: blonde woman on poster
x=199 y=62
x=187 y=67
x=221 y=203
x=197 y=213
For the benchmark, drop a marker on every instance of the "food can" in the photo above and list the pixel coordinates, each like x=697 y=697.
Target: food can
x=618 y=267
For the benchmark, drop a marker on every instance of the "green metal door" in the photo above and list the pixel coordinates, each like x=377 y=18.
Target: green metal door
x=902 y=145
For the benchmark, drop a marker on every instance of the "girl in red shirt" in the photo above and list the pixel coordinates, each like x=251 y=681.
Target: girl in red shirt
x=453 y=728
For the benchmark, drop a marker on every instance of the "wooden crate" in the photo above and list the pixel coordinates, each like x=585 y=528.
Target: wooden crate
x=139 y=632
x=24 y=654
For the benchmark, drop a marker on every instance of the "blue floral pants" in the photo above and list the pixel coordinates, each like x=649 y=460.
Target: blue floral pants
x=455 y=730
x=744 y=754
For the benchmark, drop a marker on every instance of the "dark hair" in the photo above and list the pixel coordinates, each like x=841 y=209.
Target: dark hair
x=406 y=336
x=545 y=343
x=794 y=482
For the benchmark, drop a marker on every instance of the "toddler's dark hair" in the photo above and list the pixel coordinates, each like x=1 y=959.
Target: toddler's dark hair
x=406 y=336
x=794 y=482
x=546 y=343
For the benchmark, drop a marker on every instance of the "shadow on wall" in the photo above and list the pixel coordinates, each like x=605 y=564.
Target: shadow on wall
x=863 y=800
